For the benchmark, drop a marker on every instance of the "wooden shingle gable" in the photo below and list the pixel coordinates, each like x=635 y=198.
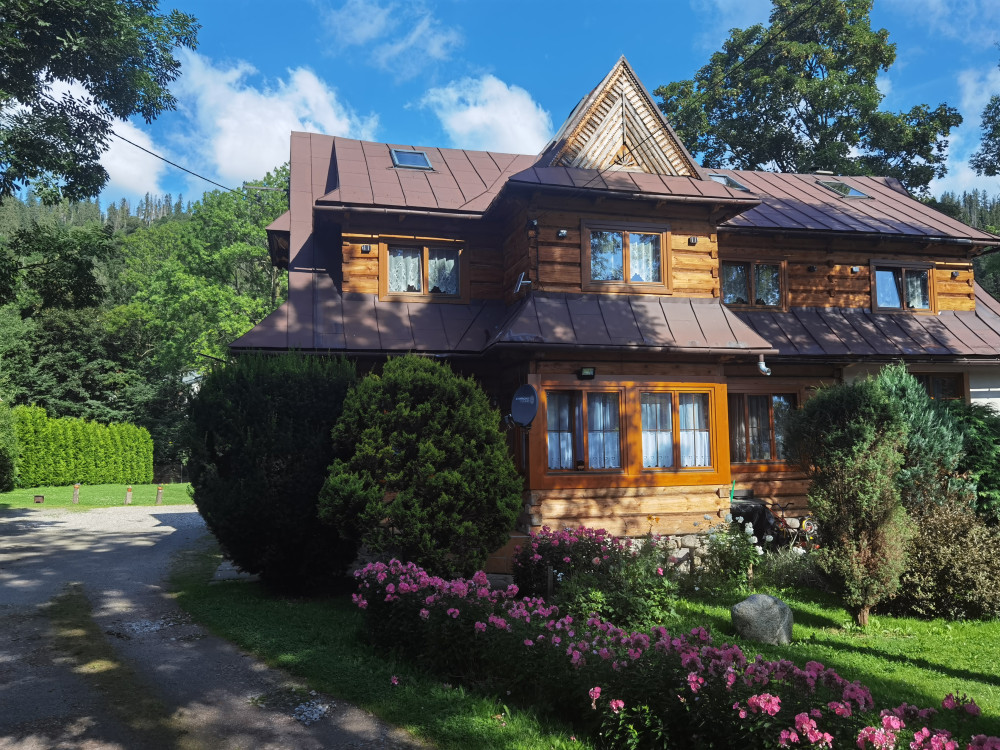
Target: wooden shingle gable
x=618 y=127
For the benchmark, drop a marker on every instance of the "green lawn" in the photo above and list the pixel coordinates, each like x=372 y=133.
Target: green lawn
x=321 y=641
x=95 y=496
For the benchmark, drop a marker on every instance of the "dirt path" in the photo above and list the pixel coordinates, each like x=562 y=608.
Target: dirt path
x=95 y=656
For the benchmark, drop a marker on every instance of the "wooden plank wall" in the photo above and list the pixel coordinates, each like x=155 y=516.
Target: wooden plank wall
x=833 y=284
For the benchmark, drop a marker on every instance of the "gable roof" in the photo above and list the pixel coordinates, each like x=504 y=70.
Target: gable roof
x=798 y=202
x=618 y=125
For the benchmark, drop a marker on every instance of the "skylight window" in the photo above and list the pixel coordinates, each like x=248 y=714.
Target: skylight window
x=729 y=182
x=410 y=159
x=842 y=189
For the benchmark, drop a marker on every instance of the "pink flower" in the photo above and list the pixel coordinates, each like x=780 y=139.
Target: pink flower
x=480 y=627
x=972 y=709
x=695 y=681
x=881 y=739
x=617 y=705
x=453 y=612
x=424 y=614
x=659 y=571
x=596 y=561
x=764 y=703
x=949 y=702
x=528 y=642
x=394 y=680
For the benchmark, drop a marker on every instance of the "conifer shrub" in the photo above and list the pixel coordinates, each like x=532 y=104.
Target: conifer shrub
x=951 y=568
x=980 y=425
x=422 y=470
x=8 y=449
x=851 y=438
x=260 y=446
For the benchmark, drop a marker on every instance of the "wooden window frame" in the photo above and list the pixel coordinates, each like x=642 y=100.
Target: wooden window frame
x=962 y=377
x=635 y=287
x=875 y=265
x=770 y=415
x=675 y=393
x=425 y=245
x=581 y=433
x=782 y=264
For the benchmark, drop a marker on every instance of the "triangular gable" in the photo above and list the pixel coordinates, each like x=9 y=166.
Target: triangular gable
x=618 y=126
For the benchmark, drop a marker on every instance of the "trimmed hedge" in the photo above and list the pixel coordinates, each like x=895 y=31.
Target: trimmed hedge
x=57 y=452
x=8 y=449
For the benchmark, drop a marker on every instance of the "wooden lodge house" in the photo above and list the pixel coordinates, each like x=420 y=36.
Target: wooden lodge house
x=664 y=313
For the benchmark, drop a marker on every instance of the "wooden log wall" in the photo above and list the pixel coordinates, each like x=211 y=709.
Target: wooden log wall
x=833 y=284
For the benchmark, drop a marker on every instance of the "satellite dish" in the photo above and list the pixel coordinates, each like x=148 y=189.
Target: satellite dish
x=524 y=405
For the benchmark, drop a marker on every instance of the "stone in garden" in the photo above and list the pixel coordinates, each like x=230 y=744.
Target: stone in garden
x=764 y=619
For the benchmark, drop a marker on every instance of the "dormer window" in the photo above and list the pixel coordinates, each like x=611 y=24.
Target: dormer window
x=729 y=182
x=621 y=257
x=405 y=159
x=423 y=272
x=752 y=283
x=901 y=286
x=842 y=189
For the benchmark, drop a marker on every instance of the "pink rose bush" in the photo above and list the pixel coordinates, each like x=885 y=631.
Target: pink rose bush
x=669 y=689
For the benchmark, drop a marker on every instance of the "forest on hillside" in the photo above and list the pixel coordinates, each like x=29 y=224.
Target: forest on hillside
x=113 y=315
x=977 y=209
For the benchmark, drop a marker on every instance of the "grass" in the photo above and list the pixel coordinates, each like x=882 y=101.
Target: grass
x=898 y=658
x=95 y=496
x=321 y=641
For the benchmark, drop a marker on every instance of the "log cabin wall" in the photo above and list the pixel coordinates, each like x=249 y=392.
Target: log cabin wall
x=843 y=268
x=555 y=264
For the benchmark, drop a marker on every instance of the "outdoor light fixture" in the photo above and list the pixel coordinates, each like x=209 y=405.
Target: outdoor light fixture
x=855 y=269
x=365 y=249
x=586 y=373
x=692 y=240
x=812 y=269
x=562 y=233
x=954 y=274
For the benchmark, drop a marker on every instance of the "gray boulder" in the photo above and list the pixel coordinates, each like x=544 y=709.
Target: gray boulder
x=764 y=619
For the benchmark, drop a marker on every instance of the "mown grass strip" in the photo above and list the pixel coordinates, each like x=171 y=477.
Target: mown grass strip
x=320 y=640
x=95 y=496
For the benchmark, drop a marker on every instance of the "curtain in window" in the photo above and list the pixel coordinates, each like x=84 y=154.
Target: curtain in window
x=735 y=284
x=657 y=430
x=917 y=294
x=404 y=269
x=695 y=436
x=442 y=271
x=889 y=287
x=644 y=257
x=767 y=284
x=783 y=405
x=737 y=428
x=759 y=417
x=606 y=262
x=560 y=431
x=604 y=446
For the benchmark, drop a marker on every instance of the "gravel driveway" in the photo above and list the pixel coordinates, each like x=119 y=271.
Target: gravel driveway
x=210 y=694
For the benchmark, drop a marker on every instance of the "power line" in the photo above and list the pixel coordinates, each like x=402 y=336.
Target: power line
x=173 y=164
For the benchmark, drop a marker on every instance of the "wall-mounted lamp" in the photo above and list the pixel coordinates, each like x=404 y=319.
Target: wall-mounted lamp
x=855 y=269
x=692 y=240
x=532 y=224
x=955 y=274
x=812 y=269
x=562 y=234
x=365 y=249
x=586 y=373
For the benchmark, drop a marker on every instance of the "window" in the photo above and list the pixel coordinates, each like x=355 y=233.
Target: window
x=944 y=386
x=902 y=287
x=754 y=422
x=729 y=182
x=756 y=284
x=625 y=257
x=842 y=189
x=426 y=272
x=406 y=159
x=600 y=443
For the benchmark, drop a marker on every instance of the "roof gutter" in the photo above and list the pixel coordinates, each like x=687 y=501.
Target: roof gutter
x=706 y=350
x=826 y=233
x=397 y=211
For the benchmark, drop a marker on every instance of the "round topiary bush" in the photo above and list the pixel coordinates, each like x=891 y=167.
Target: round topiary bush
x=260 y=444
x=422 y=470
x=951 y=568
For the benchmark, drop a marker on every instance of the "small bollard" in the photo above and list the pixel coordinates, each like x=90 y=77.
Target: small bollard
x=76 y=494
x=39 y=498
x=159 y=494
x=128 y=495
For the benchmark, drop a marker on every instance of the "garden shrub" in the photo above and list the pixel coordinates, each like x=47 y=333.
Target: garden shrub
x=566 y=553
x=980 y=425
x=628 y=689
x=422 y=468
x=260 y=444
x=951 y=569
x=8 y=449
x=731 y=555
x=851 y=438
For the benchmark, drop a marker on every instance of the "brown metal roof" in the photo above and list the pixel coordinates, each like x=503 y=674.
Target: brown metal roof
x=855 y=332
x=628 y=321
x=799 y=202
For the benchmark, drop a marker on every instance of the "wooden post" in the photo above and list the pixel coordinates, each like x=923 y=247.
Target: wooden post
x=159 y=494
x=76 y=494
x=39 y=498
x=128 y=495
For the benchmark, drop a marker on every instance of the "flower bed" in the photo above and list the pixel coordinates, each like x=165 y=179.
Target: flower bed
x=638 y=689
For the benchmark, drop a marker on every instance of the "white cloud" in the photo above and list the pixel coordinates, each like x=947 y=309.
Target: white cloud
x=485 y=113
x=719 y=16
x=975 y=22
x=961 y=178
x=402 y=38
x=977 y=86
x=242 y=130
x=131 y=171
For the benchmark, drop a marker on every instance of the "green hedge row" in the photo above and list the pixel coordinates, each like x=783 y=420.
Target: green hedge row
x=55 y=452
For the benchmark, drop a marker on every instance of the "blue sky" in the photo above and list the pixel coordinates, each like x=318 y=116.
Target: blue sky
x=485 y=74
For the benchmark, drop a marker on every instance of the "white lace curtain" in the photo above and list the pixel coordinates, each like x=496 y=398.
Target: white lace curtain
x=442 y=272
x=404 y=269
x=696 y=446
x=644 y=257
